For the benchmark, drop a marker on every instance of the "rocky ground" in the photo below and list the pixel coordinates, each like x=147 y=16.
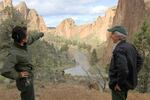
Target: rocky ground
x=64 y=92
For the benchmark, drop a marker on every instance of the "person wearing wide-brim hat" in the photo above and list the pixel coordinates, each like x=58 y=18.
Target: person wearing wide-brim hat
x=125 y=64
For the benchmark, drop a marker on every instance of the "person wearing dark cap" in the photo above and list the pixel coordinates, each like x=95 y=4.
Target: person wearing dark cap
x=125 y=64
x=17 y=65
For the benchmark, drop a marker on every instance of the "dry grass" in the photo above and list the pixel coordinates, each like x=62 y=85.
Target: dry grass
x=65 y=92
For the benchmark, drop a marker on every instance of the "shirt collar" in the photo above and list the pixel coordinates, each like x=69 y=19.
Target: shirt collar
x=119 y=42
x=116 y=45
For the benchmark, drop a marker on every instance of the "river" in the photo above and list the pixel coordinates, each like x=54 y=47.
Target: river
x=82 y=65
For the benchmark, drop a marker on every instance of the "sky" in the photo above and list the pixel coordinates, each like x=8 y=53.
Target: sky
x=82 y=11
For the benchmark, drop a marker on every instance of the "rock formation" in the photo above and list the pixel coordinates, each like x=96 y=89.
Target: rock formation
x=23 y=9
x=35 y=21
x=1 y=6
x=147 y=9
x=130 y=13
x=69 y=29
x=7 y=3
x=65 y=28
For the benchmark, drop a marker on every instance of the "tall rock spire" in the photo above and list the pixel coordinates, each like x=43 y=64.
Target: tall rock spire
x=7 y=3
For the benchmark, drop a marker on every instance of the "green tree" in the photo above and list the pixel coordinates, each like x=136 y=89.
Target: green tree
x=65 y=47
x=11 y=18
x=142 y=42
x=94 y=58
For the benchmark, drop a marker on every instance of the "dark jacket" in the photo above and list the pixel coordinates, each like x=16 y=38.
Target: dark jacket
x=19 y=59
x=124 y=67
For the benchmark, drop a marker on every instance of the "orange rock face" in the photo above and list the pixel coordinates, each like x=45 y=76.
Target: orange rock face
x=35 y=21
x=69 y=29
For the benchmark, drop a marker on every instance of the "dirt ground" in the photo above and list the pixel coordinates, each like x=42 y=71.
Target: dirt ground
x=64 y=92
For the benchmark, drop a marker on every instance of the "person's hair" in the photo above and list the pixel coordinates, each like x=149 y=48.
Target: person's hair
x=120 y=35
x=19 y=33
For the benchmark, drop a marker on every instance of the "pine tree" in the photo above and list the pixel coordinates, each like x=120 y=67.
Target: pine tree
x=142 y=42
x=94 y=58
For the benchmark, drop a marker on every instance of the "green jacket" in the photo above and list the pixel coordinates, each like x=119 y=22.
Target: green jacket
x=19 y=59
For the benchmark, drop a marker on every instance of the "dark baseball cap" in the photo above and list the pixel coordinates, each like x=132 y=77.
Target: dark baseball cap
x=120 y=29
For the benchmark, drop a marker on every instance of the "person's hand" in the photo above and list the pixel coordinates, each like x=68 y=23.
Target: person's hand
x=117 y=88
x=24 y=74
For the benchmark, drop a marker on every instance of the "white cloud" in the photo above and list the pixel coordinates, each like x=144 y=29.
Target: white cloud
x=79 y=19
x=98 y=9
x=61 y=7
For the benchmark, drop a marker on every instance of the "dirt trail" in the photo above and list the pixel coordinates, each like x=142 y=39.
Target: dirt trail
x=65 y=92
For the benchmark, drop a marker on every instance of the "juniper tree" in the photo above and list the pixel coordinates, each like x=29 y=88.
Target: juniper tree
x=142 y=42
